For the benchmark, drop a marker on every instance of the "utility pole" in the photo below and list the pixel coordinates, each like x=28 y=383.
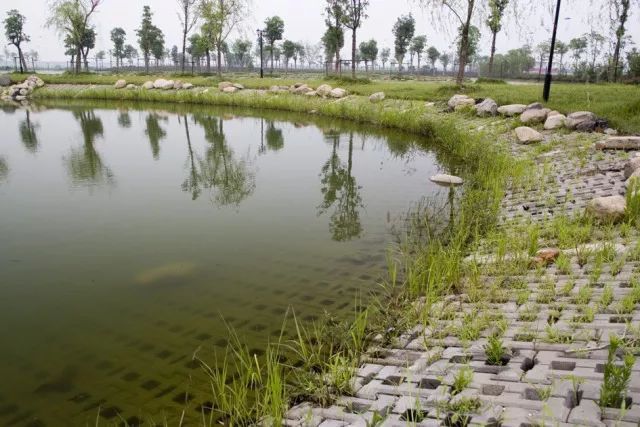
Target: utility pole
x=261 y=54
x=547 y=78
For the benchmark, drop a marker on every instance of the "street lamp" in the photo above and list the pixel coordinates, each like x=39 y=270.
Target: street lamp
x=547 y=77
x=261 y=54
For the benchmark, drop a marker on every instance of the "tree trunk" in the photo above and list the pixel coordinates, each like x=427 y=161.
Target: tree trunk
x=353 y=53
x=78 y=59
x=493 y=53
x=184 y=45
x=146 y=63
x=619 y=35
x=271 y=58
x=208 y=53
x=21 y=60
x=419 y=59
x=219 y=60
x=464 y=44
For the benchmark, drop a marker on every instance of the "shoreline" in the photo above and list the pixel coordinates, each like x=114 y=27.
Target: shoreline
x=443 y=305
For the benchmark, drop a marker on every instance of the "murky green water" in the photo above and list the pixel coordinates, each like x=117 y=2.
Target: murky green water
x=126 y=236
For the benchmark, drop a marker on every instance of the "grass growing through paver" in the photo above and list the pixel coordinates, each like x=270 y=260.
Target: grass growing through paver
x=613 y=391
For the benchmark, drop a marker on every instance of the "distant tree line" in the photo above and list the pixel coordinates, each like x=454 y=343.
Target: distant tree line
x=206 y=27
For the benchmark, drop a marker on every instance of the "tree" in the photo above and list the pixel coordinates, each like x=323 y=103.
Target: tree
x=403 y=31
x=221 y=17
x=148 y=36
x=463 y=10
x=175 y=58
x=445 y=59
x=433 y=55
x=88 y=43
x=274 y=29
x=333 y=41
x=578 y=46
x=633 y=58
x=385 y=55
x=118 y=38
x=130 y=53
x=369 y=52
x=542 y=50
x=561 y=49
x=417 y=48
x=595 y=42
x=157 y=47
x=14 y=31
x=298 y=52
x=355 y=12
x=619 y=13
x=333 y=38
x=494 y=22
x=71 y=18
x=473 y=40
x=188 y=17
x=199 y=48
x=288 y=50
x=241 y=49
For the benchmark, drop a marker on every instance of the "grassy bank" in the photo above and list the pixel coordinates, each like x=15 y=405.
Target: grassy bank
x=618 y=103
x=426 y=267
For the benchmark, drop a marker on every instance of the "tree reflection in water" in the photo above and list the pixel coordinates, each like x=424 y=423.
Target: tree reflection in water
x=274 y=137
x=124 y=119
x=28 y=134
x=4 y=169
x=155 y=133
x=339 y=185
x=84 y=164
x=218 y=169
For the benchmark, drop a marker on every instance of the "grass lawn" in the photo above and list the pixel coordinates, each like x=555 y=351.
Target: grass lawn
x=618 y=103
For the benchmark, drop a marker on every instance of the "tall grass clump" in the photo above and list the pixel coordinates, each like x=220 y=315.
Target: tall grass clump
x=616 y=376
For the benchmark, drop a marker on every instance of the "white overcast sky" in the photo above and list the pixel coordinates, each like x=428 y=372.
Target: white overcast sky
x=304 y=22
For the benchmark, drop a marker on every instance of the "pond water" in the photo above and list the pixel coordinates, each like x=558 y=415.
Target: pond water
x=128 y=235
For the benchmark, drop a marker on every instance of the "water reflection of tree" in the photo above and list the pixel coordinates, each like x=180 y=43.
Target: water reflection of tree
x=155 y=133
x=28 y=134
x=4 y=169
x=218 y=169
x=274 y=137
x=124 y=119
x=85 y=164
x=339 y=185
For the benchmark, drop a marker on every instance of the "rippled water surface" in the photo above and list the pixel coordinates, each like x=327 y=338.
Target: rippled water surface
x=128 y=235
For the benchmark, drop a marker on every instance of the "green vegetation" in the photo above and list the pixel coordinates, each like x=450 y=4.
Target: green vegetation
x=495 y=351
x=620 y=104
x=616 y=376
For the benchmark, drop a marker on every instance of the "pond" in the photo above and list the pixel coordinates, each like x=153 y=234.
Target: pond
x=132 y=237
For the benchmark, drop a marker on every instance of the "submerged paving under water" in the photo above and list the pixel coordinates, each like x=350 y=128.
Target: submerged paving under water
x=128 y=235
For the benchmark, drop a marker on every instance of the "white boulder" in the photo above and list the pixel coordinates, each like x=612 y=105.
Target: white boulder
x=377 y=97
x=534 y=116
x=223 y=85
x=609 y=209
x=324 y=90
x=148 y=85
x=488 y=107
x=447 y=180
x=120 y=84
x=526 y=135
x=230 y=89
x=338 y=93
x=555 y=121
x=457 y=102
x=512 y=109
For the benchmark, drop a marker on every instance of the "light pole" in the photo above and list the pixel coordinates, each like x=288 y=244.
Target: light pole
x=547 y=77
x=261 y=54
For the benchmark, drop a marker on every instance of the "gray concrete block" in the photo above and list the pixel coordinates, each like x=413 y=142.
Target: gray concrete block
x=587 y=413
